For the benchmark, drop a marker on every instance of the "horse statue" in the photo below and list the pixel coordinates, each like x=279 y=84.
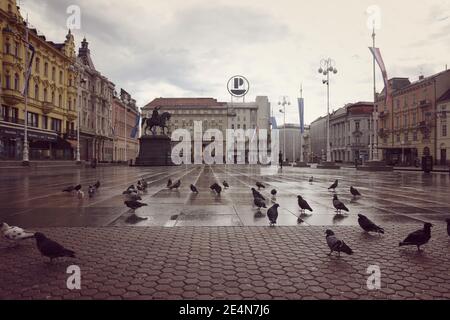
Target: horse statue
x=156 y=121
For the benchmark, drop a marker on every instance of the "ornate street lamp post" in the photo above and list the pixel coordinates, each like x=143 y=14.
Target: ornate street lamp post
x=283 y=103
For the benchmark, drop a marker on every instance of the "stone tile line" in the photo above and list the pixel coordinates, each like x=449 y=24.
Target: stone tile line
x=256 y=263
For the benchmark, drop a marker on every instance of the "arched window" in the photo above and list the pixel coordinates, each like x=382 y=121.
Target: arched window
x=70 y=104
x=53 y=97
x=16 y=82
x=36 y=91
x=46 y=69
x=60 y=77
x=45 y=95
x=7 y=81
x=60 y=101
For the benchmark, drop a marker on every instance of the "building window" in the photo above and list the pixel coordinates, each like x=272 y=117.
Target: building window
x=398 y=138
x=37 y=65
x=56 y=125
x=44 y=122
x=53 y=97
x=33 y=119
x=60 y=101
x=60 y=77
x=17 y=49
x=414 y=118
x=54 y=74
x=444 y=129
x=16 y=82
x=415 y=136
x=7 y=48
x=45 y=95
x=36 y=92
x=46 y=69
x=406 y=136
x=357 y=125
x=7 y=81
x=405 y=120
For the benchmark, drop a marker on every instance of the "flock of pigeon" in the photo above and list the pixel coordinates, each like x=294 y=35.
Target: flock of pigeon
x=53 y=250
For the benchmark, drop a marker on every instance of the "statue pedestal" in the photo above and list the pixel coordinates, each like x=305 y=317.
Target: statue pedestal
x=154 y=151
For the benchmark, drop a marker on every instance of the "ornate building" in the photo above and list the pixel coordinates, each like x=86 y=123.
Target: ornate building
x=95 y=97
x=126 y=116
x=51 y=96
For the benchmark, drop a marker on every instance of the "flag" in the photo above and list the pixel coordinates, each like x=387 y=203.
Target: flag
x=377 y=55
x=30 y=63
x=136 y=126
x=273 y=122
x=301 y=113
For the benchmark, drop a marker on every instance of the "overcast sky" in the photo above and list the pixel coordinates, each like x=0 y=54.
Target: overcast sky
x=190 y=48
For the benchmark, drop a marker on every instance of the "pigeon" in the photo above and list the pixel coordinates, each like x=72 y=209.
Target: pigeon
x=176 y=185
x=97 y=185
x=226 y=185
x=134 y=204
x=169 y=183
x=273 y=192
x=334 y=185
x=272 y=214
x=339 y=205
x=259 y=203
x=142 y=185
x=300 y=220
x=303 y=204
x=256 y=194
x=69 y=189
x=14 y=234
x=194 y=188
x=311 y=179
x=50 y=248
x=354 y=192
x=91 y=191
x=215 y=187
x=367 y=225
x=337 y=245
x=77 y=187
x=133 y=196
x=80 y=194
x=419 y=237
x=260 y=185
x=448 y=226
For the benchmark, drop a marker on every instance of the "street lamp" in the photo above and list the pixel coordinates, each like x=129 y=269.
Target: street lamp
x=283 y=103
x=328 y=66
x=81 y=81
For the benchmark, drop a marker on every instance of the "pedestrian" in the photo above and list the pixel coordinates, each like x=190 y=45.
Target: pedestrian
x=280 y=159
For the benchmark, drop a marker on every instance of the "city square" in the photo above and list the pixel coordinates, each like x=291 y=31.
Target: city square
x=207 y=246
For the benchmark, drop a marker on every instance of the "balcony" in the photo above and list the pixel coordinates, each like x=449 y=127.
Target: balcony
x=12 y=97
x=47 y=107
x=70 y=135
x=424 y=103
x=357 y=133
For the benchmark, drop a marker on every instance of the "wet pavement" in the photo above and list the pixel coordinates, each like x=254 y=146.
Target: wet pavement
x=215 y=247
x=35 y=199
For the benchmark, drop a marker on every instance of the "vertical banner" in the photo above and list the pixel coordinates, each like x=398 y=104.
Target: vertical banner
x=135 y=129
x=301 y=113
x=273 y=122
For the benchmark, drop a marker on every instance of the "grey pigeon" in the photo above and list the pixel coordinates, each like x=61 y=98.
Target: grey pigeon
x=259 y=203
x=418 y=238
x=367 y=225
x=260 y=185
x=339 y=205
x=50 y=248
x=303 y=204
x=354 y=192
x=216 y=187
x=256 y=194
x=337 y=245
x=334 y=185
x=134 y=204
x=311 y=179
x=448 y=226
x=133 y=196
x=273 y=192
x=97 y=185
x=226 y=185
x=176 y=185
x=142 y=185
x=194 y=188
x=169 y=183
x=272 y=214
x=69 y=189
x=300 y=220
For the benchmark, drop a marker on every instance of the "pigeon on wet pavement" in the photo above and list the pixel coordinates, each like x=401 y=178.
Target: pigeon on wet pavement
x=194 y=188
x=367 y=225
x=273 y=192
x=256 y=194
x=311 y=179
x=176 y=185
x=72 y=188
x=51 y=249
x=260 y=185
x=14 y=234
x=303 y=204
x=97 y=185
x=334 y=185
x=133 y=196
x=216 y=188
x=259 y=203
x=169 y=183
x=272 y=214
x=134 y=204
x=91 y=191
x=418 y=238
x=226 y=185
x=337 y=245
x=354 y=192
x=338 y=205
x=448 y=226
x=300 y=220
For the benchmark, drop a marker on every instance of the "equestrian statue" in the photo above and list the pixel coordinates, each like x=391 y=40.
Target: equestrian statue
x=156 y=121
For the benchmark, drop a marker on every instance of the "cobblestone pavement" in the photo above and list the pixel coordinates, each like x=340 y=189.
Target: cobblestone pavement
x=228 y=263
x=209 y=247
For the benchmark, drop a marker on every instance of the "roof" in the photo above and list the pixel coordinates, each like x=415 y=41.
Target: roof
x=184 y=102
x=445 y=97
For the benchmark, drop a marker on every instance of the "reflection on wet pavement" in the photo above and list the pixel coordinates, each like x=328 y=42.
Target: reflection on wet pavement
x=34 y=199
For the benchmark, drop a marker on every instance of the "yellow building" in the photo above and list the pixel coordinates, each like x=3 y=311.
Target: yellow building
x=51 y=93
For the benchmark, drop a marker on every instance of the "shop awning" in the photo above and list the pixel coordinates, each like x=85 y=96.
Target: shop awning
x=33 y=134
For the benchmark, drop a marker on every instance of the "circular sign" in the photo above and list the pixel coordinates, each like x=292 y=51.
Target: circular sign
x=238 y=86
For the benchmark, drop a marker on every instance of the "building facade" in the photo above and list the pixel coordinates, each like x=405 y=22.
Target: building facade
x=407 y=127
x=318 y=140
x=443 y=136
x=51 y=95
x=95 y=99
x=126 y=116
x=295 y=143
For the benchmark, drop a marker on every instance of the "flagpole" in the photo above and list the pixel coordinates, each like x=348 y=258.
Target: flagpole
x=374 y=129
x=301 y=125
x=26 y=158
